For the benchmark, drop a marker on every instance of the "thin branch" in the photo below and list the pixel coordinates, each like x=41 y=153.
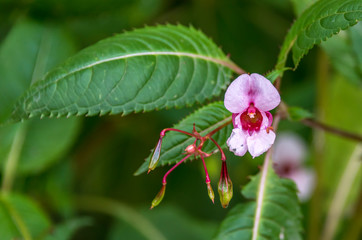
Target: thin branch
x=232 y=66
x=341 y=194
x=12 y=160
x=314 y=124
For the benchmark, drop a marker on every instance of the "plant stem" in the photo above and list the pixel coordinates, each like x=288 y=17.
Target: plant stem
x=16 y=218
x=218 y=128
x=354 y=229
x=173 y=168
x=318 y=198
x=315 y=124
x=11 y=162
x=233 y=67
x=121 y=211
x=342 y=192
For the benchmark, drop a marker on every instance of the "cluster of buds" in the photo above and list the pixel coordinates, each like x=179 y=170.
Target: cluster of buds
x=225 y=188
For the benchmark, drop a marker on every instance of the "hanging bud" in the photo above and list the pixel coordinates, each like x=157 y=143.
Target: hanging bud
x=210 y=192
x=159 y=197
x=225 y=187
x=155 y=157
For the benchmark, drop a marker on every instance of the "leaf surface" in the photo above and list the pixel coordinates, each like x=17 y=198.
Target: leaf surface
x=317 y=23
x=66 y=230
x=20 y=217
x=345 y=53
x=206 y=119
x=28 y=52
x=272 y=213
x=143 y=70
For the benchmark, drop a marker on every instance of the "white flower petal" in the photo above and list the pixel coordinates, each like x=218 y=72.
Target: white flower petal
x=260 y=142
x=265 y=96
x=236 y=98
x=237 y=142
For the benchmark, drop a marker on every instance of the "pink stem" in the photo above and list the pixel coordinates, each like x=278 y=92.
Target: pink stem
x=163 y=132
x=205 y=168
x=175 y=166
x=223 y=157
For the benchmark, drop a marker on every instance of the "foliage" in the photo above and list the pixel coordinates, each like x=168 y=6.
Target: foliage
x=181 y=72
x=319 y=22
x=105 y=78
x=205 y=119
x=277 y=202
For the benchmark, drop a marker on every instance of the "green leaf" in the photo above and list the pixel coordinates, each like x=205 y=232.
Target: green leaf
x=29 y=50
x=341 y=157
x=143 y=70
x=273 y=212
x=45 y=142
x=319 y=22
x=301 y=5
x=21 y=218
x=356 y=37
x=273 y=75
x=297 y=113
x=171 y=222
x=344 y=53
x=66 y=230
x=206 y=119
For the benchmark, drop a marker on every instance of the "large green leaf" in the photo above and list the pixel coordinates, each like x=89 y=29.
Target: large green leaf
x=273 y=213
x=206 y=119
x=146 y=69
x=319 y=22
x=29 y=50
x=21 y=218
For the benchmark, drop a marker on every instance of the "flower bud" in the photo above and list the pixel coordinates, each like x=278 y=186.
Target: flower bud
x=225 y=187
x=155 y=157
x=159 y=197
x=210 y=192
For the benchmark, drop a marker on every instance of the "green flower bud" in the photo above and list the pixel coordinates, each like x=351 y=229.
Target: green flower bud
x=155 y=157
x=210 y=192
x=159 y=197
x=225 y=187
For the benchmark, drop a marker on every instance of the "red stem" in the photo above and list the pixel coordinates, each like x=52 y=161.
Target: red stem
x=223 y=157
x=206 y=172
x=163 y=132
x=175 y=166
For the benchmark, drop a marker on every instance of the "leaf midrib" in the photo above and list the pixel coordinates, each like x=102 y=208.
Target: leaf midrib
x=223 y=62
x=260 y=196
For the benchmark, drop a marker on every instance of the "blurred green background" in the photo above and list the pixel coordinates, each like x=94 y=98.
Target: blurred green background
x=102 y=153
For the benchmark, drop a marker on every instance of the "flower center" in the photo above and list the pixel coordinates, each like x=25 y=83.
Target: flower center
x=251 y=119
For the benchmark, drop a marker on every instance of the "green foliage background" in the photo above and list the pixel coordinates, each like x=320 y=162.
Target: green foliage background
x=80 y=158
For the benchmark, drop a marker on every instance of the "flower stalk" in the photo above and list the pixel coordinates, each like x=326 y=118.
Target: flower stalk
x=195 y=150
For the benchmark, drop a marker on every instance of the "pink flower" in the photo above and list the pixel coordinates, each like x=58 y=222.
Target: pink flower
x=249 y=98
x=288 y=157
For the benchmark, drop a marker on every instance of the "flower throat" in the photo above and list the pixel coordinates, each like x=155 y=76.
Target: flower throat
x=251 y=119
